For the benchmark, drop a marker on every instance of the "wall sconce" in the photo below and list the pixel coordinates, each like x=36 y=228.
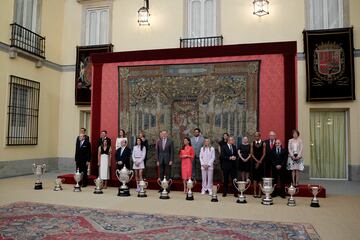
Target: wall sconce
x=143 y=14
x=261 y=7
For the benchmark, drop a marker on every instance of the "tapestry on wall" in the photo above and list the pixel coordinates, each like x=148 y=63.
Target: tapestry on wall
x=216 y=97
x=329 y=64
x=83 y=71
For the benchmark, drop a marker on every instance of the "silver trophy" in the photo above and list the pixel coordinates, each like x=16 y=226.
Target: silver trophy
x=77 y=177
x=98 y=186
x=38 y=170
x=315 y=189
x=58 y=184
x=124 y=176
x=190 y=184
x=291 y=191
x=241 y=186
x=267 y=189
x=142 y=185
x=164 y=184
x=214 y=190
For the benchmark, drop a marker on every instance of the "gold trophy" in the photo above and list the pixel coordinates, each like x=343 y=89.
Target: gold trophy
x=315 y=189
x=241 y=186
x=58 y=184
x=267 y=189
x=39 y=170
x=164 y=184
x=142 y=185
x=98 y=186
x=214 y=190
x=291 y=191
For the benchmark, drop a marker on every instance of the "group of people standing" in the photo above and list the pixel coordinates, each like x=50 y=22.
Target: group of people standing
x=254 y=160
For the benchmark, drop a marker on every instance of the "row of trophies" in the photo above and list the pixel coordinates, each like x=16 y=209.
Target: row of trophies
x=124 y=176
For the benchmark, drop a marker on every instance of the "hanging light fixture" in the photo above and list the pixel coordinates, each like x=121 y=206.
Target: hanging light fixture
x=261 y=7
x=143 y=14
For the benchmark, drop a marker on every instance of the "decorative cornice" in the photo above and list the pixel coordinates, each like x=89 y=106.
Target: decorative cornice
x=52 y=65
x=71 y=68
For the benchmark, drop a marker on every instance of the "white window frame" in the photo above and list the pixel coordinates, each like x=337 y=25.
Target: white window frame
x=311 y=12
x=36 y=14
x=89 y=5
x=188 y=17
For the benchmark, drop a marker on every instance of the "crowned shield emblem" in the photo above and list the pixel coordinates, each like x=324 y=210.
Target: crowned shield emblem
x=329 y=61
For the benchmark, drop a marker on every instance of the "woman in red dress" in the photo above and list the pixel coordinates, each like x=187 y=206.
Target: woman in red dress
x=186 y=155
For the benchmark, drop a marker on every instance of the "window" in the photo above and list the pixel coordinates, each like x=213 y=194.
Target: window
x=27 y=14
x=326 y=14
x=202 y=18
x=97 y=26
x=23 y=112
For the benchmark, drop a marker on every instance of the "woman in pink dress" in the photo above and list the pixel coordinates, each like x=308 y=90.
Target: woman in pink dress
x=186 y=155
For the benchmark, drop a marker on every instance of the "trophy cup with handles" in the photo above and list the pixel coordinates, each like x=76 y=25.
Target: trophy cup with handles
x=142 y=185
x=190 y=184
x=77 y=177
x=291 y=191
x=99 y=183
x=267 y=189
x=58 y=184
x=315 y=189
x=214 y=190
x=164 y=184
x=124 y=176
x=39 y=170
x=241 y=186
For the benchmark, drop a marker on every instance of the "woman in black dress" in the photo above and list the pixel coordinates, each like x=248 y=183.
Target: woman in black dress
x=258 y=152
x=244 y=163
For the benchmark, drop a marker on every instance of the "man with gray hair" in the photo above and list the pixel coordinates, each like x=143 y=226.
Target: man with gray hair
x=164 y=154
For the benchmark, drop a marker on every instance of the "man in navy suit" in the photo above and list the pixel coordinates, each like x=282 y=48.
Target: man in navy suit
x=278 y=162
x=83 y=156
x=123 y=155
x=228 y=158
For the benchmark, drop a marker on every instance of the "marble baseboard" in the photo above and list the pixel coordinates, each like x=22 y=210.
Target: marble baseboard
x=24 y=167
x=66 y=164
x=354 y=172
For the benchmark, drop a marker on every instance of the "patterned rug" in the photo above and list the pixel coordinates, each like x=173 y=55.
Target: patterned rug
x=25 y=220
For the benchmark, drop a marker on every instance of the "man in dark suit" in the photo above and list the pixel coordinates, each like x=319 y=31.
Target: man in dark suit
x=228 y=158
x=270 y=145
x=82 y=157
x=278 y=161
x=123 y=155
x=164 y=155
x=103 y=135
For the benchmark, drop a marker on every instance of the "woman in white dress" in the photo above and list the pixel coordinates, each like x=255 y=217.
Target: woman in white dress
x=295 y=160
x=207 y=157
x=122 y=136
x=104 y=161
x=138 y=156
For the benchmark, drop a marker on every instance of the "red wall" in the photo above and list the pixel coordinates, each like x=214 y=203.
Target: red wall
x=277 y=106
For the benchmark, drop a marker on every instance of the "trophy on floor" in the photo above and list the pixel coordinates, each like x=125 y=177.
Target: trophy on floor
x=314 y=189
x=58 y=184
x=124 y=176
x=99 y=183
x=142 y=185
x=214 y=190
x=164 y=184
x=190 y=184
x=267 y=189
x=77 y=177
x=291 y=191
x=38 y=169
x=241 y=186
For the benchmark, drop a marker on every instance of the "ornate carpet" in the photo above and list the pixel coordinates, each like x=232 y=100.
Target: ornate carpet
x=25 y=220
